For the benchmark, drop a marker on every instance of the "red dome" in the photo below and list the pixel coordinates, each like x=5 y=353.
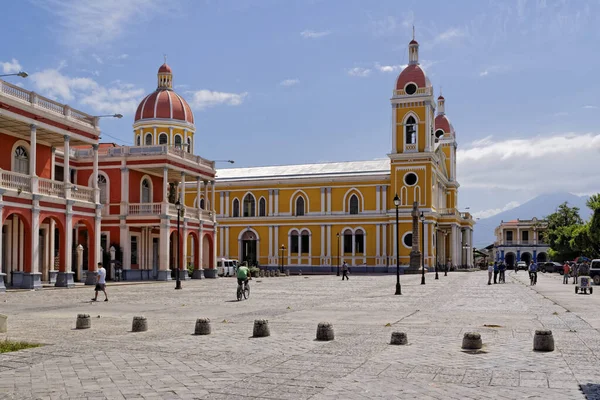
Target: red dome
x=412 y=73
x=164 y=69
x=164 y=104
x=413 y=42
x=441 y=97
x=441 y=122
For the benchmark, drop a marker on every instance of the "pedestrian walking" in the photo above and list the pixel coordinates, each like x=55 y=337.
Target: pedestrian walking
x=496 y=271
x=490 y=272
x=532 y=273
x=502 y=268
x=566 y=272
x=345 y=271
x=101 y=282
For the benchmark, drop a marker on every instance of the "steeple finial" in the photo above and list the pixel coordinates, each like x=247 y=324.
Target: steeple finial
x=165 y=56
x=413 y=32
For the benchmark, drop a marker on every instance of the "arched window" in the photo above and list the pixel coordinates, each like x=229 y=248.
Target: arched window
x=103 y=185
x=249 y=206
x=21 y=160
x=178 y=141
x=294 y=243
x=353 y=204
x=163 y=138
x=410 y=130
x=300 y=206
x=359 y=241
x=138 y=140
x=189 y=145
x=202 y=204
x=148 y=139
x=262 y=207
x=347 y=241
x=236 y=208
x=305 y=242
x=146 y=195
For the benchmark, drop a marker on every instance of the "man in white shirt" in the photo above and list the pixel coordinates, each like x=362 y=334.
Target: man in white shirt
x=490 y=272
x=101 y=282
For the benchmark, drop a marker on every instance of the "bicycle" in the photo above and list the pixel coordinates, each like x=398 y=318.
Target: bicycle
x=245 y=291
x=532 y=278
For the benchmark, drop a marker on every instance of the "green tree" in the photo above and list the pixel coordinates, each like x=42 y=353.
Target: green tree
x=560 y=232
x=594 y=225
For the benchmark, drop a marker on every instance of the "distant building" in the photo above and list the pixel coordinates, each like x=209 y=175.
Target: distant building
x=520 y=240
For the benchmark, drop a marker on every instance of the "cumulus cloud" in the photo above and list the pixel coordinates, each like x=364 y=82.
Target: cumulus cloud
x=389 y=68
x=545 y=163
x=493 y=211
x=589 y=107
x=202 y=99
x=11 y=67
x=450 y=35
x=360 y=72
x=119 y=97
x=289 y=82
x=493 y=69
x=308 y=34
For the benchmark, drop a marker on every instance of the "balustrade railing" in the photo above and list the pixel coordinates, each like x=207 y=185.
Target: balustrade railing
x=51 y=188
x=15 y=181
x=145 y=209
x=83 y=193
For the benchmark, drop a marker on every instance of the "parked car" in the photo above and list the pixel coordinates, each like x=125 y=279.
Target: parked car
x=595 y=271
x=521 y=265
x=551 y=266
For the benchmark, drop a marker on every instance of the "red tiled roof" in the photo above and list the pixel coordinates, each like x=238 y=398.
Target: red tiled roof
x=441 y=122
x=164 y=104
x=164 y=69
x=412 y=73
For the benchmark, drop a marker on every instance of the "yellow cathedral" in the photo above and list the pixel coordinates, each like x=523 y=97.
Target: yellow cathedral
x=313 y=217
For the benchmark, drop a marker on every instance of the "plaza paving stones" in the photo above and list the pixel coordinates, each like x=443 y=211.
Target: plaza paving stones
x=170 y=362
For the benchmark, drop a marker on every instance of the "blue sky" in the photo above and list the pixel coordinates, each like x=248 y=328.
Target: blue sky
x=285 y=82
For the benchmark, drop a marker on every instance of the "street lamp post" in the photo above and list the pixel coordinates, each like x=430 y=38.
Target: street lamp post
x=422 y=248
x=22 y=74
x=436 y=251
x=338 y=255
x=178 y=267
x=398 y=288
x=119 y=116
x=282 y=251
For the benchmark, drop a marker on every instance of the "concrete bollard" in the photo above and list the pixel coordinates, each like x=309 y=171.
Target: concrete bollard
x=543 y=340
x=83 y=321
x=399 y=338
x=472 y=341
x=261 y=328
x=277 y=273
x=140 y=324
x=261 y=273
x=287 y=272
x=202 y=326
x=272 y=273
x=3 y=322
x=325 y=331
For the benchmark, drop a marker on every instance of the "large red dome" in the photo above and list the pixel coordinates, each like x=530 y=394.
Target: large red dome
x=412 y=73
x=164 y=104
x=442 y=122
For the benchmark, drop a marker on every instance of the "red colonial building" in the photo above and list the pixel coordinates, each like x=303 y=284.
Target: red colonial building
x=68 y=202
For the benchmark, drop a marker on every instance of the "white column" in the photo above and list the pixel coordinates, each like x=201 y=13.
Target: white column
x=322 y=200
x=222 y=203
x=322 y=239
x=454 y=244
x=384 y=199
x=33 y=150
x=95 y=175
x=182 y=189
x=212 y=198
x=226 y=240
x=183 y=264
x=328 y=200
x=384 y=229
x=200 y=249
x=124 y=191
x=378 y=198
x=198 y=184
x=206 y=195
x=277 y=204
x=377 y=235
x=328 y=240
x=227 y=204
x=22 y=246
x=51 y=244
x=270 y=210
x=97 y=237
x=68 y=243
x=277 y=240
x=14 y=244
x=425 y=241
x=221 y=243
x=67 y=168
x=163 y=264
x=394 y=146
x=165 y=184
x=353 y=245
x=125 y=244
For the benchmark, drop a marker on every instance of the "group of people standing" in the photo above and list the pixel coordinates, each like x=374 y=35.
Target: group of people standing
x=497 y=270
x=575 y=270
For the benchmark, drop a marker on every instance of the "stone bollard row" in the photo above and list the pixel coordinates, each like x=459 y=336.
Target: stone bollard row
x=272 y=273
x=325 y=331
x=140 y=324
x=261 y=273
x=287 y=272
x=399 y=338
x=202 y=326
x=277 y=273
x=83 y=321
x=261 y=328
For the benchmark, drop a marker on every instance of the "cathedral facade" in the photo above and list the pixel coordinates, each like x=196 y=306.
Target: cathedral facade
x=314 y=217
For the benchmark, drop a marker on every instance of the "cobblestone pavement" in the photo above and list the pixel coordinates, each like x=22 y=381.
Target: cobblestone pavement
x=169 y=362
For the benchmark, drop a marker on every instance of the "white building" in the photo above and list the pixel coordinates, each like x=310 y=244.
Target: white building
x=520 y=240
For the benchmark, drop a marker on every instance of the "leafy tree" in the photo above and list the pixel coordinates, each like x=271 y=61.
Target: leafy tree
x=594 y=225
x=559 y=234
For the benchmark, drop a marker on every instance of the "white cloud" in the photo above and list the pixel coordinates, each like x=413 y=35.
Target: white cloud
x=590 y=107
x=122 y=56
x=97 y=58
x=389 y=68
x=493 y=69
x=450 y=35
x=89 y=23
x=358 y=71
x=493 y=211
x=308 y=34
x=202 y=99
x=289 y=82
x=11 y=67
x=118 y=98
x=545 y=163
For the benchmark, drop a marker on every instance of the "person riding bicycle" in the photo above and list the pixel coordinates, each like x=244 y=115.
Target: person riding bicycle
x=533 y=272
x=242 y=274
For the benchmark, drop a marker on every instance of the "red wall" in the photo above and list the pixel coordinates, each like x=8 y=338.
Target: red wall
x=43 y=157
x=135 y=184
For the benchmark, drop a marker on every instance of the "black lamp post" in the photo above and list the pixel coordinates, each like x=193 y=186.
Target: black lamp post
x=436 y=251
x=422 y=248
x=178 y=267
x=398 y=288
x=338 y=258
x=282 y=251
